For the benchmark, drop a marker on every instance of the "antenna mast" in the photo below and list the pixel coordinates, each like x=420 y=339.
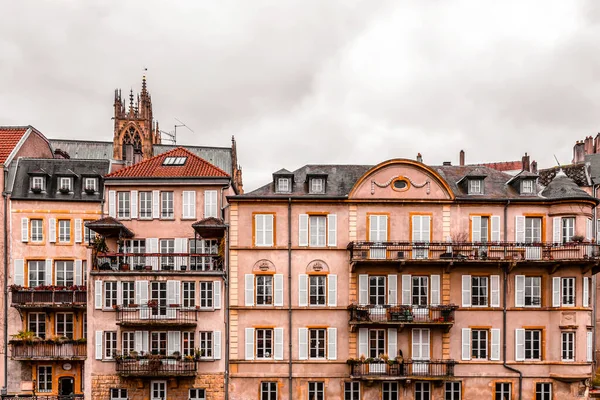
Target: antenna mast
x=172 y=135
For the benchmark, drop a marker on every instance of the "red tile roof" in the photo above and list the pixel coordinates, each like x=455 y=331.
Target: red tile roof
x=504 y=165
x=9 y=137
x=194 y=167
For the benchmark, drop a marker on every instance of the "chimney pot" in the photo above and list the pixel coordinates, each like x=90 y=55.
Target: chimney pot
x=578 y=152
x=525 y=163
x=462 y=158
x=419 y=157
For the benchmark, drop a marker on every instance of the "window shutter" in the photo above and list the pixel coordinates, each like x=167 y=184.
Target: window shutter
x=519 y=228
x=495 y=291
x=426 y=228
x=476 y=228
x=259 y=230
x=141 y=293
x=99 y=337
x=466 y=344
x=589 y=346
x=269 y=221
x=185 y=204
x=145 y=337
x=556 y=225
x=495 y=351
x=466 y=290
x=152 y=248
x=156 y=204
x=249 y=343
x=435 y=290
x=392 y=289
x=406 y=290
x=25 y=229
x=392 y=350
x=278 y=351
x=119 y=293
x=134 y=204
x=495 y=228
x=586 y=291
x=210 y=203
x=303 y=230
x=217 y=295
x=192 y=204
x=332 y=230
x=555 y=292
x=78 y=272
x=303 y=290
x=416 y=228
x=78 y=230
x=172 y=342
x=363 y=342
x=302 y=343
x=217 y=345
x=519 y=290
x=249 y=289
x=278 y=295
x=588 y=229
x=52 y=229
x=519 y=344
x=332 y=343
x=363 y=289
x=19 y=274
x=171 y=292
x=137 y=341
x=112 y=203
x=374 y=228
x=180 y=247
x=98 y=295
x=48 y=272
x=332 y=290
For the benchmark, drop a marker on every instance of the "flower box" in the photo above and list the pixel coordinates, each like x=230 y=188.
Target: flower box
x=90 y=190
x=64 y=190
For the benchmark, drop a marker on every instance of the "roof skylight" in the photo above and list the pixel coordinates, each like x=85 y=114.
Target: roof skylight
x=174 y=161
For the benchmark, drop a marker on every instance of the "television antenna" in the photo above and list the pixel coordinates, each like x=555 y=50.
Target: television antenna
x=172 y=135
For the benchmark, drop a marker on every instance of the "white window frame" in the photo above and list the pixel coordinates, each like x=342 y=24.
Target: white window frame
x=161 y=385
x=267 y=297
x=453 y=390
x=127 y=342
x=527 y=186
x=37 y=325
x=206 y=341
x=123 y=205
x=110 y=290
x=377 y=290
x=475 y=186
x=530 y=344
x=91 y=183
x=167 y=205
x=127 y=293
x=38 y=181
x=390 y=391
x=188 y=294
x=316 y=390
x=206 y=295
x=64 y=267
x=188 y=343
x=64 y=230
x=532 y=287
x=567 y=229
x=421 y=282
x=352 y=389
x=318 y=282
x=567 y=291
x=264 y=237
x=533 y=229
x=502 y=391
x=317 y=230
x=145 y=206
x=62 y=324
x=378 y=228
x=118 y=394
x=36 y=230
x=110 y=344
x=44 y=385
x=38 y=268
x=479 y=345
x=317 y=185
x=197 y=394
x=317 y=343
x=268 y=343
x=479 y=296
x=543 y=390
x=567 y=346
x=377 y=342
x=423 y=390
x=159 y=342
x=283 y=185
x=65 y=183
x=268 y=390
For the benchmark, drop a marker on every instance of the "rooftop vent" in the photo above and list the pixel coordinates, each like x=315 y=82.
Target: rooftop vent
x=447 y=163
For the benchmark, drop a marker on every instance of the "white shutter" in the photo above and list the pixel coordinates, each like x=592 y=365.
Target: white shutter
x=363 y=342
x=112 y=203
x=392 y=350
x=586 y=291
x=217 y=345
x=98 y=295
x=210 y=203
x=137 y=341
x=519 y=228
x=588 y=229
x=302 y=343
x=141 y=293
x=259 y=229
x=192 y=204
x=217 y=295
x=19 y=273
x=269 y=221
x=466 y=290
x=363 y=289
x=134 y=204
x=25 y=229
x=48 y=272
x=278 y=350
x=555 y=292
x=466 y=344
x=156 y=204
x=589 y=346
x=476 y=228
x=249 y=289
x=78 y=272
x=99 y=337
x=185 y=204
x=392 y=289
x=303 y=230
x=495 y=291
x=278 y=295
x=173 y=342
x=426 y=228
x=495 y=351
x=519 y=344
x=519 y=290
x=78 y=230
x=249 y=343
x=332 y=230
x=406 y=290
x=145 y=341
x=52 y=230
x=180 y=247
x=119 y=293
x=173 y=289
x=303 y=290
x=556 y=229
x=435 y=290
x=416 y=228
x=495 y=228
x=152 y=248
x=332 y=343
x=332 y=290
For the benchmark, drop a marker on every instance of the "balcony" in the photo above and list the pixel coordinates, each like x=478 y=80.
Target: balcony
x=407 y=369
x=46 y=297
x=38 y=397
x=396 y=314
x=162 y=316
x=43 y=350
x=156 y=367
x=143 y=263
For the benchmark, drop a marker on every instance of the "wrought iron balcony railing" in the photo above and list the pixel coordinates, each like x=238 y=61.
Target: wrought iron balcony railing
x=143 y=315
x=153 y=262
x=405 y=369
x=44 y=350
x=156 y=366
x=48 y=298
x=402 y=314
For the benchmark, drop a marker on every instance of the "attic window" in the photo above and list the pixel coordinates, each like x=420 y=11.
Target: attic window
x=475 y=186
x=174 y=161
x=37 y=183
x=316 y=185
x=283 y=185
x=527 y=186
x=65 y=184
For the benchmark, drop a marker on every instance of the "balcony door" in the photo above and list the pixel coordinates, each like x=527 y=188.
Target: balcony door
x=377 y=348
x=421 y=347
x=377 y=297
x=159 y=294
x=66 y=386
x=420 y=297
x=158 y=390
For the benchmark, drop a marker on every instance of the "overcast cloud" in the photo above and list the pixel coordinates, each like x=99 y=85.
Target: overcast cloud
x=314 y=81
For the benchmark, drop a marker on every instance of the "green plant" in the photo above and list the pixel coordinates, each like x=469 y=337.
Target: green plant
x=99 y=244
x=596 y=381
x=81 y=340
x=25 y=336
x=577 y=238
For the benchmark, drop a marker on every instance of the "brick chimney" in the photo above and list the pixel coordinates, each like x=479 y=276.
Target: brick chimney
x=462 y=158
x=589 y=145
x=578 y=152
x=534 y=167
x=525 y=163
x=597 y=144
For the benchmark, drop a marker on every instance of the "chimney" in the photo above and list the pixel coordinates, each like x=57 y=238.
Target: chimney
x=462 y=158
x=597 y=144
x=589 y=145
x=58 y=153
x=447 y=163
x=534 y=167
x=419 y=157
x=525 y=163
x=578 y=152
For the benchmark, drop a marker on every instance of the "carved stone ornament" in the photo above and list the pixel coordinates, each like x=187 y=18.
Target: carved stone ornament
x=263 y=266
x=426 y=184
x=317 y=266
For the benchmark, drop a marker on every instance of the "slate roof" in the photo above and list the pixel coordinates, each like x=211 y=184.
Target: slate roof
x=563 y=187
x=9 y=138
x=194 y=167
x=578 y=172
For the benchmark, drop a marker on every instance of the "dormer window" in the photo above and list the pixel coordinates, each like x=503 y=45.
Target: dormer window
x=37 y=184
x=475 y=186
x=317 y=185
x=90 y=185
x=283 y=185
x=527 y=186
x=65 y=184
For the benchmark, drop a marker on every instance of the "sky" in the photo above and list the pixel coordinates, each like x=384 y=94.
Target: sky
x=314 y=81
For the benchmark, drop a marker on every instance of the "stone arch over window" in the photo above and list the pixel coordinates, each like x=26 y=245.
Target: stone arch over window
x=317 y=266
x=263 y=266
x=132 y=144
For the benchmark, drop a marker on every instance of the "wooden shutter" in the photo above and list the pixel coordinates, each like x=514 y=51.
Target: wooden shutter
x=519 y=228
x=556 y=292
x=363 y=342
x=495 y=291
x=556 y=229
x=303 y=230
x=278 y=350
x=185 y=204
x=586 y=291
x=78 y=230
x=134 y=204
x=78 y=272
x=495 y=351
x=392 y=289
x=173 y=342
x=24 y=229
x=119 y=293
x=137 y=341
x=519 y=290
x=392 y=350
x=98 y=295
x=217 y=345
x=476 y=228
x=406 y=290
x=19 y=272
x=519 y=344
x=303 y=290
x=302 y=343
x=332 y=290
x=171 y=290
x=435 y=290
x=466 y=290
x=588 y=229
x=249 y=289
x=152 y=248
x=48 y=272
x=495 y=228
x=278 y=295
x=52 y=230
x=99 y=338
x=332 y=230
x=363 y=289
x=217 y=295
x=210 y=203
x=269 y=221
x=156 y=204
x=249 y=343
x=332 y=343
x=466 y=344
x=112 y=203
x=589 y=346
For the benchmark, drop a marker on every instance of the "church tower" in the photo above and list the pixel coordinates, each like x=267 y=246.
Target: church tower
x=135 y=131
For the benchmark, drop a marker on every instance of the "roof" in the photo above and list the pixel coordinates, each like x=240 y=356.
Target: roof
x=523 y=175
x=563 y=187
x=9 y=138
x=194 y=167
x=578 y=172
x=504 y=165
x=109 y=227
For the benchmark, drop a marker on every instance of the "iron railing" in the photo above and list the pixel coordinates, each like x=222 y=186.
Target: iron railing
x=49 y=297
x=404 y=314
x=38 y=397
x=162 y=315
x=37 y=350
x=491 y=251
x=405 y=369
x=156 y=367
x=149 y=262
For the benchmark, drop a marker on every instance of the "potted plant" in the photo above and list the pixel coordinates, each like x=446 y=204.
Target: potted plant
x=596 y=382
x=148 y=267
x=577 y=239
x=152 y=303
x=36 y=189
x=188 y=358
x=133 y=305
x=24 y=336
x=99 y=244
x=125 y=267
x=174 y=305
x=115 y=306
x=90 y=190
x=64 y=190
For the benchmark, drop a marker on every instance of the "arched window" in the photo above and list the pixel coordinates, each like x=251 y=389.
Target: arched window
x=132 y=146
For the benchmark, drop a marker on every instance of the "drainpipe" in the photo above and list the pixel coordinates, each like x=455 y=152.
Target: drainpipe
x=289 y=248
x=594 y=281
x=505 y=290
x=5 y=328
x=226 y=292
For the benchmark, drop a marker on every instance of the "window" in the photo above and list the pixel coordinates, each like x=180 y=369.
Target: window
x=568 y=291
x=166 y=205
x=137 y=246
x=283 y=185
x=158 y=390
x=264 y=229
x=452 y=391
x=158 y=343
x=390 y=391
x=128 y=344
x=377 y=292
x=479 y=344
x=533 y=344
x=264 y=343
x=158 y=293
x=543 y=391
x=64 y=273
x=37 y=230
x=376 y=343
x=91 y=184
x=197 y=394
x=84 y=325
x=64 y=230
x=206 y=344
x=64 y=325
x=351 y=390
x=37 y=273
x=527 y=186
x=88 y=235
x=118 y=394
x=533 y=291
x=316 y=390
x=189 y=343
x=317 y=290
x=422 y=391
x=206 y=246
x=167 y=246
x=38 y=183
x=264 y=289
x=568 y=346
x=502 y=391
x=145 y=211
x=484 y=229
x=44 y=378
x=533 y=229
x=317 y=343
x=110 y=344
x=268 y=391
x=318 y=230
x=316 y=185
x=206 y=294
x=123 y=202
x=66 y=184
x=128 y=293
x=110 y=294
x=189 y=294
x=378 y=228
x=210 y=204
x=176 y=161
x=420 y=287
x=568 y=229
x=475 y=186
x=479 y=291
x=37 y=324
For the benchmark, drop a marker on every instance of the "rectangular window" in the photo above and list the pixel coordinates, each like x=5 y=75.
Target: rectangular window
x=378 y=228
x=533 y=229
x=206 y=294
x=317 y=230
x=37 y=230
x=64 y=230
x=568 y=229
x=197 y=394
x=189 y=343
x=316 y=390
x=479 y=344
x=85 y=325
x=167 y=246
x=317 y=343
x=420 y=289
x=352 y=390
x=110 y=344
x=452 y=391
x=503 y=390
x=422 y=391
x=568 y=346
x=118 y=394
x=37 y=273
x=136 y=246
x=264 y=290
x=64 y=325
x=123 y=204
x=166 y=205
x=543 y=391
x=376 y=343
x=91 y=184
x=268 y=391
x=485 y=224
x=37 y=182
x=110 y=294
x=316 y=185
x=158 y=390
x=206 y=246
x=64 y=271
x=390 y=391
x=37 y=324
x=88 y=234
x=128 y=342
x=475 y=186
x=377 y=291
x=206 y=344
x=283 y=185
x=264 y=343
x=158 y=343
x=189 y=294
x=533 y=344
x=145 y=211
x=210 y=204
x=44 y=377
x=318 y=290
x=568 y=291
x=66 y=184
x=479 y=291
x=128 y=293
x=533 y=291
x=527 y=186
x=264 y=224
